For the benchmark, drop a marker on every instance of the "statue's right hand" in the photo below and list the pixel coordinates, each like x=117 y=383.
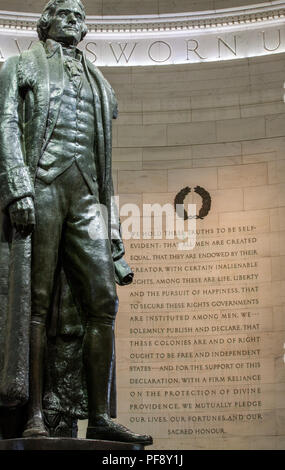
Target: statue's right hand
x=22 y=215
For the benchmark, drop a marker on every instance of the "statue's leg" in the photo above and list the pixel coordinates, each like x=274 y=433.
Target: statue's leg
x=98 y=358
x=88 y=264
x=46 y=240
x=89 y=269
x=35 y=423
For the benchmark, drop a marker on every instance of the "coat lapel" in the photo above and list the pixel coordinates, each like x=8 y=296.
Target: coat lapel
x=105 y=154
x=34 y=74
x=56 y=80
x=99 y=112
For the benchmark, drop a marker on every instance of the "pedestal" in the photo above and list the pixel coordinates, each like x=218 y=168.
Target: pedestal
x=51 y=443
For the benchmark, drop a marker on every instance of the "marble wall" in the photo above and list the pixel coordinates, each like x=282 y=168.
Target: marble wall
x=201 y=333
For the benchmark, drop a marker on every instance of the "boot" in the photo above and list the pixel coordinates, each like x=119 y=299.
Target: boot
x=98 y=357
x=35 y=423
x=106 y=429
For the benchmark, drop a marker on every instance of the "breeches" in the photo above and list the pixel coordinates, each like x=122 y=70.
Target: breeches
x=66 y=222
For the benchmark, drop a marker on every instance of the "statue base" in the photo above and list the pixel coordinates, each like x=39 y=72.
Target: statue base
x=65 y=443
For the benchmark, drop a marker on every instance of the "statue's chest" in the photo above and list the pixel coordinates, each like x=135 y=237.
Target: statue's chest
x=76 y=108
x=76 y=95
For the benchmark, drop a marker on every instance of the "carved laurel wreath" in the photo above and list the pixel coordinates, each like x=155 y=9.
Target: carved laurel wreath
x=206 y=202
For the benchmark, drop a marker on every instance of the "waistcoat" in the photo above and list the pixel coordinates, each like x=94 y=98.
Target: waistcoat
x=73 y=136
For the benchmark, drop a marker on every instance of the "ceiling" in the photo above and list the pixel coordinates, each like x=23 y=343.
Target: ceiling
x=132 y=7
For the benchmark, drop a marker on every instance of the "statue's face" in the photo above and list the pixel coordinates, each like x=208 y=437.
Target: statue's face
x=67 y=24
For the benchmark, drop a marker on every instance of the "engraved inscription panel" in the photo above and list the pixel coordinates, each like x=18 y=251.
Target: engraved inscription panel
x=201 y=332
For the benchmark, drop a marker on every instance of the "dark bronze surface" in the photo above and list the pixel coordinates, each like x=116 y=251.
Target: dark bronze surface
x=61 y=238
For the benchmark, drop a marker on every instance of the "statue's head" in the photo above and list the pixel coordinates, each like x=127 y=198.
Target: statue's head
x=63 y=21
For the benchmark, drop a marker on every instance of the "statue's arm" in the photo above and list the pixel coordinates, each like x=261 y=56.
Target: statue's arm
x=118 y=249
x=15 y=180
x=116 y=236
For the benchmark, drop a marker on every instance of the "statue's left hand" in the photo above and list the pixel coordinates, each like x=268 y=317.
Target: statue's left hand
x=22 y=215
x=118 y=249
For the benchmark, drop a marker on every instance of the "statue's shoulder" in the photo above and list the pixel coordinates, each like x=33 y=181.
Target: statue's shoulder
x=9 y=66
x=31 y=63
x=14 y=62
x=99 y=75
x=35 y=53
x=8 y=76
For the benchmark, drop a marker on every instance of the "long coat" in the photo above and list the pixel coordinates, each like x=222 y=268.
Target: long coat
x=25 y=127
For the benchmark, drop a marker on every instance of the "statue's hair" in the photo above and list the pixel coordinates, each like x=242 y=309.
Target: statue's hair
x=44 y=22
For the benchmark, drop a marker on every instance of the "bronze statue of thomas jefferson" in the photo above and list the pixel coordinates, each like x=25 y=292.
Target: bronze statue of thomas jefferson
x=55 y=167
